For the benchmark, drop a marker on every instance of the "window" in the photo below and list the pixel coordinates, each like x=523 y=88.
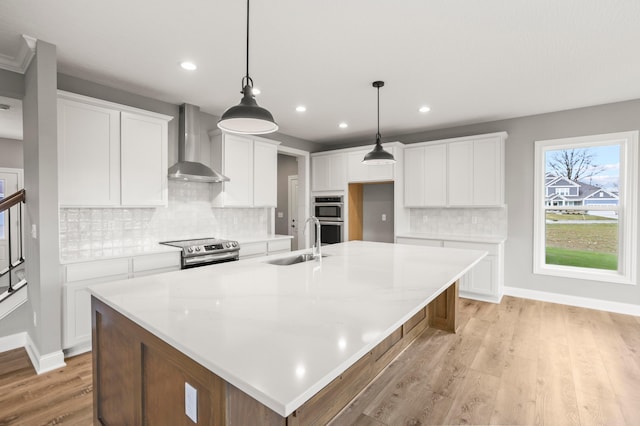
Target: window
x=591 y=233
x=562 y=191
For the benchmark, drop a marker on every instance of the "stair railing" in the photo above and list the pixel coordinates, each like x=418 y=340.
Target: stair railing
x=17 y=198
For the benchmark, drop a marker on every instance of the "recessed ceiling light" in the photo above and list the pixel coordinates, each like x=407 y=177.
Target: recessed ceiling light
x=255 y=91
x=301 y=108
x=343 y=125
x=424 y=109
x=189 y=66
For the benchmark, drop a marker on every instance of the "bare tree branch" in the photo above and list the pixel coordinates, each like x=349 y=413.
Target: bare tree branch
x=574 y=164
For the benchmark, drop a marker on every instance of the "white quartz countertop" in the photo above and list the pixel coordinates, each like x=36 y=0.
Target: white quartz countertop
x=282 y=333
x=490 y=239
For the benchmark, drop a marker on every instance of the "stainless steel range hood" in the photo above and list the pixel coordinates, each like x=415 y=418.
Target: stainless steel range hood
x=188 y=168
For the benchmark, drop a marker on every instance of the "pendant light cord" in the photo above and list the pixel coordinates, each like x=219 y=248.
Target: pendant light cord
x=378 y=136
x=248 y=79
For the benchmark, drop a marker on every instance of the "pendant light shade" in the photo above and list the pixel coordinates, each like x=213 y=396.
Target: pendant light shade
x=378 y=155
x=247 y=117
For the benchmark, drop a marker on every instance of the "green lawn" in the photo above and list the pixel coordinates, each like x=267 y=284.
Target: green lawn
x=583 y=259
x=574 y=216
x=584 y=245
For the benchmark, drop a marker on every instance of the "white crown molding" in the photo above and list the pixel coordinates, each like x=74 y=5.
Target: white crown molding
x=581 y=302
x=21 y=61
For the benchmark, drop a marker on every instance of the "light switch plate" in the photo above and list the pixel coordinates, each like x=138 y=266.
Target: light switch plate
x=191 y=402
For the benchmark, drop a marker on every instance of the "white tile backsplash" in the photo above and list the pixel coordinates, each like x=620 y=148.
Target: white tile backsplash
x=460 y=221
x=97 y=232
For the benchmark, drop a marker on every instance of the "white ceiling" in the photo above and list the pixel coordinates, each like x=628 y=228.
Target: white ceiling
x=469 y=60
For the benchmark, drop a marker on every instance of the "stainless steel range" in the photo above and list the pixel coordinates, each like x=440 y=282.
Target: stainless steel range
x=206 y=251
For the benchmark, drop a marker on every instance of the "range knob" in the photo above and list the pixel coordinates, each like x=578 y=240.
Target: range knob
x=235 y=244
x=197 y=248
x=190 y=250
x=227 y=244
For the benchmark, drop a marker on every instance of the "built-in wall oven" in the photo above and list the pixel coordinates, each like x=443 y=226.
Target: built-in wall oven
x=329 y=211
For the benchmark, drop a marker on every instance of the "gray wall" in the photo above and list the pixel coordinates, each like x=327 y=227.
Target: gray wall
x=523 y=132
x=377 y=199
x=287 y=166
x=11 y=153
x=41 y=187
x=11 y=84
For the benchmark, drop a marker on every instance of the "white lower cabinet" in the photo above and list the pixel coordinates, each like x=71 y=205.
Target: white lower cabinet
x=76 y=308
x=485 y=281
x=263 y=248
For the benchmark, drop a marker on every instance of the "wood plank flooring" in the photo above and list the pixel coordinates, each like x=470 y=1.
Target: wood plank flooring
x=522 y=362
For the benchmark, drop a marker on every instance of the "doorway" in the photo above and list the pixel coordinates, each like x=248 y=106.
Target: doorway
x=10 y=182
x=293 y=196
x=371 y=212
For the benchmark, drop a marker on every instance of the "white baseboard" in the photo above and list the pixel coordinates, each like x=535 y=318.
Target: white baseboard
x=15 y=341
x=46 y=362
x=582 y=302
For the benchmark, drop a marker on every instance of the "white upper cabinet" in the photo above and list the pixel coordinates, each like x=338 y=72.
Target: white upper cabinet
x=143 y=153
x=457 y=172
x=359 y=172
x=265 y=174
x=328 y=172
x=88 y=154
x=110 y=155
x=425 y=176
x=251 y=164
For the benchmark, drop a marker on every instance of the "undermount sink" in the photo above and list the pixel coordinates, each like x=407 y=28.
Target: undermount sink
x=292 y=260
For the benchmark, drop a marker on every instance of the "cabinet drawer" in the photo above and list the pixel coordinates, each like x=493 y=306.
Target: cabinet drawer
x=492 y=249
x=92 y=270
x=419 y=242
x=279 y=245
x=253 y=249
x=156 y=261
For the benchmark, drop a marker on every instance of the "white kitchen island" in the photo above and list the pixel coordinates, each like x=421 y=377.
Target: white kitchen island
x=261 y=340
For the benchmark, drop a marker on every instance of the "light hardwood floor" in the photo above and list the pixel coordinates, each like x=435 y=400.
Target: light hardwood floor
x=520 y=362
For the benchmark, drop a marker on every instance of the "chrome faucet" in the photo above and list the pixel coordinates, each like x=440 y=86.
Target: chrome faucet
x=316 y=253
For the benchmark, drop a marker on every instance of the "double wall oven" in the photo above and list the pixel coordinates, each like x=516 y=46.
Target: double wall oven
x=329 y=211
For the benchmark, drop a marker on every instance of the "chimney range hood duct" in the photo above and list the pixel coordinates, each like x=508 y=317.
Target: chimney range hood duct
x=187 y=167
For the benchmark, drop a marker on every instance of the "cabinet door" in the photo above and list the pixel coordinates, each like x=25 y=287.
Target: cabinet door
x=482 y=278
x=435 y=175
x=89 y=154
x=320 y=173
x=337 y=172
x=265 y=177
x=460 y=173
x=414 y=177
x=143 y=160
x=77 y=327
x=238 y=167
x=488 y=187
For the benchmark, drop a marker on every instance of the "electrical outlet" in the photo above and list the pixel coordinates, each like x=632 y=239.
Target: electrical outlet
x=35 y=319
x=384 y=217
x=280 y=215
x=191 y=402
x=425 y=219
x=34 y=231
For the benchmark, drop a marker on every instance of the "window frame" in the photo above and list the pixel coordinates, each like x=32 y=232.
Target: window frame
x=627 y=208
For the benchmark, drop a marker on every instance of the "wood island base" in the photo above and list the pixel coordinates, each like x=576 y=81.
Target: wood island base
x=139 y=379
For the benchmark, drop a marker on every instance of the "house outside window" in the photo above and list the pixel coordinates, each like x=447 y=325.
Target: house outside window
x=586 y=207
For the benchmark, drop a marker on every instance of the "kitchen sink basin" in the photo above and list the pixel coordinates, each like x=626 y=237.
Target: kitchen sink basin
x=292 y=260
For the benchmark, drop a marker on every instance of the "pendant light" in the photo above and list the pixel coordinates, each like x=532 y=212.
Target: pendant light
x=247 y=117
x=378 y=155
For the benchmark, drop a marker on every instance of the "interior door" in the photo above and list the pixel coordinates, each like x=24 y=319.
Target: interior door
x=9 y=181
x=294 y=224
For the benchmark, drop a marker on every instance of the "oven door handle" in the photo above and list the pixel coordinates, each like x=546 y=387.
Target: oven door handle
x=328 y=222
x=209 y=258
